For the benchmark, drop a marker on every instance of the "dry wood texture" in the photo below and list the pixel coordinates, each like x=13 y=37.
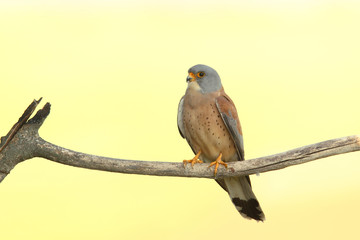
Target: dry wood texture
x=23 y=142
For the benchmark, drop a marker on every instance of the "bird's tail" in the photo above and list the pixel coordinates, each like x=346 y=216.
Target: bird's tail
x=244 y=199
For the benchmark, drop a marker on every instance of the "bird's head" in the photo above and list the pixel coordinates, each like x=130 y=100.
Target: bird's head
x=205 y=77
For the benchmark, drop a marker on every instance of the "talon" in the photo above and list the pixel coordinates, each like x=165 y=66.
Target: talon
x=194 y=160
x=217 y=162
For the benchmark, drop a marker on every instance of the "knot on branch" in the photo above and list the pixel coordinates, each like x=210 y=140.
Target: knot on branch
x=16 y=146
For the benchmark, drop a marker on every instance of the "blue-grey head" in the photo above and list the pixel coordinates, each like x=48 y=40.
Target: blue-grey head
x=206 y=77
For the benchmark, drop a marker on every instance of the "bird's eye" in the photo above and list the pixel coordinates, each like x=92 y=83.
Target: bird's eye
x=200 y=74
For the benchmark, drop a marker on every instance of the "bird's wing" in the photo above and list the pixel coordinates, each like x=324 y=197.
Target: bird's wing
x=229 y=115
x=180 y=122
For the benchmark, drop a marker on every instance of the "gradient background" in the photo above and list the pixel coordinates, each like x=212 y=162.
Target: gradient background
x=114 y=72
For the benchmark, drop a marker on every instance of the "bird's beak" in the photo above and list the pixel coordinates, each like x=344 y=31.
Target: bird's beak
x=190 y=77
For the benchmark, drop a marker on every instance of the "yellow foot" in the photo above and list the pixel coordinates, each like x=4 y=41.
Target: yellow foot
x=217 y=162
x=194 y=160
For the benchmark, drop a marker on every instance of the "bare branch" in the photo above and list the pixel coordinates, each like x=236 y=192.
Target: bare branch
x=26 y=144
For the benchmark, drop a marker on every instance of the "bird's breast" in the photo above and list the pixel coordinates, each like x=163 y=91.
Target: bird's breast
x=204 y=127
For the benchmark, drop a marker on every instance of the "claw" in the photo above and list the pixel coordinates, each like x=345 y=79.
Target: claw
x=194 y=160
x=217 y=162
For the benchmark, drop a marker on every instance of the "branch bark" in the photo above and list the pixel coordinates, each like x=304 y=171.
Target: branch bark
x=23 y=142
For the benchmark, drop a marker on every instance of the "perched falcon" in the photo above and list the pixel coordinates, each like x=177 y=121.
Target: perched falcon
x=208 y=120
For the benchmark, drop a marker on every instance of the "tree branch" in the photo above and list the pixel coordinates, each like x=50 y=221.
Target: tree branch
x=23 y=142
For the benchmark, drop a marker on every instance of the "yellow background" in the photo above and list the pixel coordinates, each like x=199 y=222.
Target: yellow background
x=114 y=73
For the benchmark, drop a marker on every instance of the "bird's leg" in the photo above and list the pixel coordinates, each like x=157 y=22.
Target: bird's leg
x=194 y=160
x=217 y=162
